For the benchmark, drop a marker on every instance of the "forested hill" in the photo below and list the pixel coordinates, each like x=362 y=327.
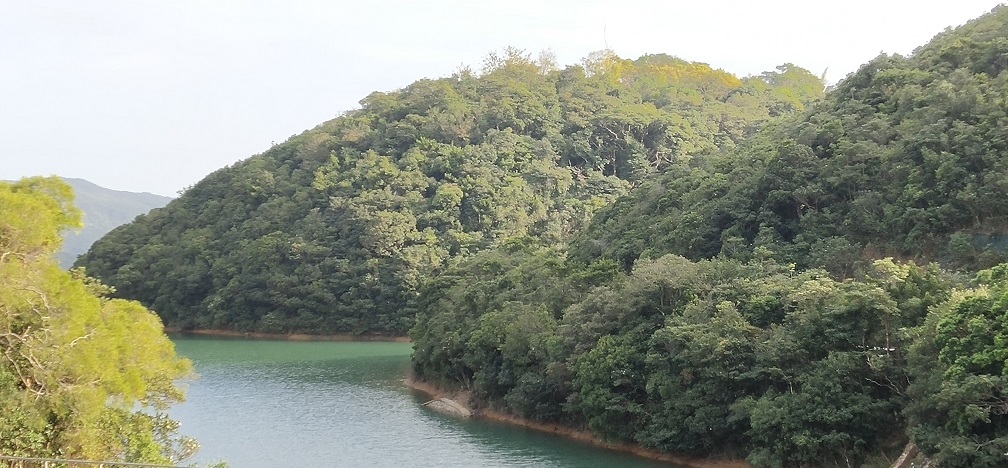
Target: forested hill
x=908 y=157
x=773 y=302
x=103 y=209
x=334 y=230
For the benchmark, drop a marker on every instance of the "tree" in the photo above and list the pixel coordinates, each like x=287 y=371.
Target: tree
x=81 y=376
x=959 y=364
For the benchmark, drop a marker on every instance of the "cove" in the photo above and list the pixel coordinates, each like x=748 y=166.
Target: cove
x=264 y=403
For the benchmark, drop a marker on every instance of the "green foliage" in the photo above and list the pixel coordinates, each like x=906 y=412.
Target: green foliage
x=81 y=375
x=705 y=358
x=960 y=369
x=738 y=304
x=832 y=417
x=609 y=384
x=335 y=230
x=906 y=157
x=490 y=324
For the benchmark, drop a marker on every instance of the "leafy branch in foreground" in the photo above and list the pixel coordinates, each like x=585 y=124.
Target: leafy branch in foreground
x=81 y=375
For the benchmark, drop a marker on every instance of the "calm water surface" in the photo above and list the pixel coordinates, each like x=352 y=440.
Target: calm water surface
x=277 y=403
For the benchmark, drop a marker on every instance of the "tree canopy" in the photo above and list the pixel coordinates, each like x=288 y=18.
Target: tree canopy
x=803 y=298
x=714 y=358
x=907 y=157
x=334 y=230
x=81 y=375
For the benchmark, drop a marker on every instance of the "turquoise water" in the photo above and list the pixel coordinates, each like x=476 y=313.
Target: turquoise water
x=344 y=404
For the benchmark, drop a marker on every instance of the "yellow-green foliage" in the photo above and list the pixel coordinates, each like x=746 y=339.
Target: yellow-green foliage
x=75 y=367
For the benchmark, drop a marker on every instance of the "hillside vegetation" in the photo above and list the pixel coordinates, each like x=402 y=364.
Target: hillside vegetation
x=336 y=229
x=907 y=157
x=651 y=249
x=102 y=210
x=776 y=300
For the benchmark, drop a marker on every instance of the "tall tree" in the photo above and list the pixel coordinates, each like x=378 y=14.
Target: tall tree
x=81 y=376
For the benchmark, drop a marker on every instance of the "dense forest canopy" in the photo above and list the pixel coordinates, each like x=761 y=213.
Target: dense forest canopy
x=335 y=230
x=773 y=300
x=81 y=376
x=907 y=157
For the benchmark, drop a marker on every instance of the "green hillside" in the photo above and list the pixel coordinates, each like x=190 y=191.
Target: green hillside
x=907 y=157
x=650 y=249
x=336 y=229
x=774 y=301
x=103 y=209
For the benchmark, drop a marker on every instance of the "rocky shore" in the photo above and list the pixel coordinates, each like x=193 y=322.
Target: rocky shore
x=461 y=399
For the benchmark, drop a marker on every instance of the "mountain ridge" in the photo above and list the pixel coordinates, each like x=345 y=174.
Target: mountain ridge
x=103 y=210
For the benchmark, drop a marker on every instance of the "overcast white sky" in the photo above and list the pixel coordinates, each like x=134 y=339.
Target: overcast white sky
x=154 y=95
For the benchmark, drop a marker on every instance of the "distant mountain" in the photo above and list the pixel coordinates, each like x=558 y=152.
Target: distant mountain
x=104 y=209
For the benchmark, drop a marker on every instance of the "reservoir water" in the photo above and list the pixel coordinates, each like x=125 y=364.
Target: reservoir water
x=344 y=404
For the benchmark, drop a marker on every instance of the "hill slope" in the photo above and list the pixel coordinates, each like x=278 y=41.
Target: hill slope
x=907 y=157
x=335 y=229
x=695 y=315
x=103 y=209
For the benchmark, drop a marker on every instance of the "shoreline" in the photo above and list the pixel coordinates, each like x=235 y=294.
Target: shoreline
x=285 y=336
x=579 y=435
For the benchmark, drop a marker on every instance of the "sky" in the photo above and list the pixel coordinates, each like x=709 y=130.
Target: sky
x=151 y=96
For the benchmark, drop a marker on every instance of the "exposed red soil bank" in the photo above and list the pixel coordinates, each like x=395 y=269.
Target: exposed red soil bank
x=575 y=434
x=289 y=336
